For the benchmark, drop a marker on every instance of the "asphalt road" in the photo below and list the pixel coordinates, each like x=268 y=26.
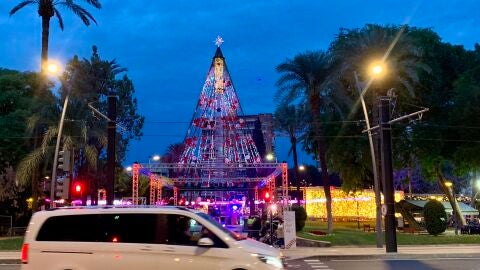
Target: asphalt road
x=367 y=264
x=387 y=264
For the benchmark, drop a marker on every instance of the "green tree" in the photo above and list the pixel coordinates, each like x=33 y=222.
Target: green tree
x=441 y=135
x=48 y=8
x=435 y=217
x=89 y=82
x=20 y=98
x=307 y=76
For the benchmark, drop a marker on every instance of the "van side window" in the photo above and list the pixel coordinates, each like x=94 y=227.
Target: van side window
x=69 y=228
x=122 y=228
x=185 y=231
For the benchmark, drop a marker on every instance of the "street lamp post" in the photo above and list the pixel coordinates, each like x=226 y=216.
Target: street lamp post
x=376 y=183
x=55 y=69
x=111 y=130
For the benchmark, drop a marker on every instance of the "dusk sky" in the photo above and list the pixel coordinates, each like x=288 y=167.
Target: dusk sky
x=167 y=47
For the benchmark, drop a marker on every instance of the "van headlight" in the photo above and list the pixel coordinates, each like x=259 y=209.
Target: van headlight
x=274 y=261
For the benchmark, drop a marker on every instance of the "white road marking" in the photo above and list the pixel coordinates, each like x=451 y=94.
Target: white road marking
x=311 y=260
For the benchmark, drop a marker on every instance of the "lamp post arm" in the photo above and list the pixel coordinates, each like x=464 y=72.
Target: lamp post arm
x=376 y=182
x=57 y=147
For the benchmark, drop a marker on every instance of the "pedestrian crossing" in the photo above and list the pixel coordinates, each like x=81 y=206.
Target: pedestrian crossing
x=307 y=264
x=317 y=264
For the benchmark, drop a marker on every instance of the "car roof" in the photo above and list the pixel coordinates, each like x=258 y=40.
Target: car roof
x=83 y=210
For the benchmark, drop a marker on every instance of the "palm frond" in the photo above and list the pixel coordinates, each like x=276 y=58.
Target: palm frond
x=28 y=165
x=84 y=15
x=32 y=122
x=22 y=5
x=68 y=142
x=92 y=156
x=59 y=17
x=48 y=137
x=94 y=3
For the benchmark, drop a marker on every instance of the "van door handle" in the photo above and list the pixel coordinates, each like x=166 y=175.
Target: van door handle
x=168 y=250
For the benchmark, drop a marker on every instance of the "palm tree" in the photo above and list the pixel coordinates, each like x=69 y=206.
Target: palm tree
x=290 y=119
x=48 y=8
x=308 y=76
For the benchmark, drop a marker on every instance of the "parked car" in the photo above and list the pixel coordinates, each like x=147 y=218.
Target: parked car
x=138 y=238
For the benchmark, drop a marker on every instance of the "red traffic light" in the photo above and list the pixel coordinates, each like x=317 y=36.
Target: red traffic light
x=266 y=197
x=78 y=188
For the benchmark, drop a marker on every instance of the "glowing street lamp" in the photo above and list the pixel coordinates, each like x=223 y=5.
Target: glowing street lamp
x=129 y=168
x=377 y=70
x=270 y=157
x=156 y=158
x=448 y=184
x=301 y=168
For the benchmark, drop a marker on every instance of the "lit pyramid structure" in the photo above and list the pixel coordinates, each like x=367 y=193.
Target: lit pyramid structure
x=217 y=140
x=219 y=151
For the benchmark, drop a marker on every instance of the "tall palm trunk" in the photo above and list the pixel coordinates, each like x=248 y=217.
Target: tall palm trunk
x=45 y=35
x=296 y=175
x=451 y=197
x=321 y=152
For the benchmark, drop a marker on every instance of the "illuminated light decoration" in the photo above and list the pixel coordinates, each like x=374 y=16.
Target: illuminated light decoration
x=135 y=175
x=284 y=184
x=115 y=239
x=343 y=204
x=159 y=192
x=219 y=41
x=175 y=195
x=152 y=188
x=217 y=134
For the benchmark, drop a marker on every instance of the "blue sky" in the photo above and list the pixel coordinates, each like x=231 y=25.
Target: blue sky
x=167 y=46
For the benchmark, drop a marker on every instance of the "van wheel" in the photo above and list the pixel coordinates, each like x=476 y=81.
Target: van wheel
x=238 y=269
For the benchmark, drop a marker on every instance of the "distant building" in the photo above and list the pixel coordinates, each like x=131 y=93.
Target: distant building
x=266 y=119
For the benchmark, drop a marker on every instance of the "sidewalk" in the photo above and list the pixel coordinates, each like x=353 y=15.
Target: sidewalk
x=404 y=252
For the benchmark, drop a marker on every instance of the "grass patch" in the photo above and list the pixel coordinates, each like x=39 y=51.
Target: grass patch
x=347 y=233
x=11 y=243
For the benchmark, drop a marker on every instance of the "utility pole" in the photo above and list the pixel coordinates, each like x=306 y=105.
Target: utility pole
x=387 y=174
x=111 y=130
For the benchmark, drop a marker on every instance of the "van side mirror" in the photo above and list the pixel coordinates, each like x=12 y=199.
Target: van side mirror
x=205 y=242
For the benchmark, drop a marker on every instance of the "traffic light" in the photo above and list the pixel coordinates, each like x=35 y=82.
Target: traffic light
x=64 y=160
x=78 y=188
x=267 y=197
x=63 y=187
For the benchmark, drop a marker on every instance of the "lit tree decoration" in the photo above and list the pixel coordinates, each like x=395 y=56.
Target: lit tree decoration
x=219 y=41
x=217 y=134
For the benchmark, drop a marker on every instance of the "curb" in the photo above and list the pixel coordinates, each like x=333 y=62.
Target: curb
x=304 y=242
x=10 y=261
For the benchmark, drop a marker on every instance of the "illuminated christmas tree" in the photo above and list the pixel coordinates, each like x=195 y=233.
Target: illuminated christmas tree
x=217 y=140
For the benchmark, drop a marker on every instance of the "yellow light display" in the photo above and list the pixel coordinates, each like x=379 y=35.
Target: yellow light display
x=360 y=204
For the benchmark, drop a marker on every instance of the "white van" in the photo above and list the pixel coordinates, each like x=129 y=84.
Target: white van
x=113 y=238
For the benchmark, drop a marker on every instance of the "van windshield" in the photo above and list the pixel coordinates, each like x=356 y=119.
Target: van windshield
x=212 y=221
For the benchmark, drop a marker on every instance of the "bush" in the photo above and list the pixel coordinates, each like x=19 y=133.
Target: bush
x=300 y=217
x=435 y=217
